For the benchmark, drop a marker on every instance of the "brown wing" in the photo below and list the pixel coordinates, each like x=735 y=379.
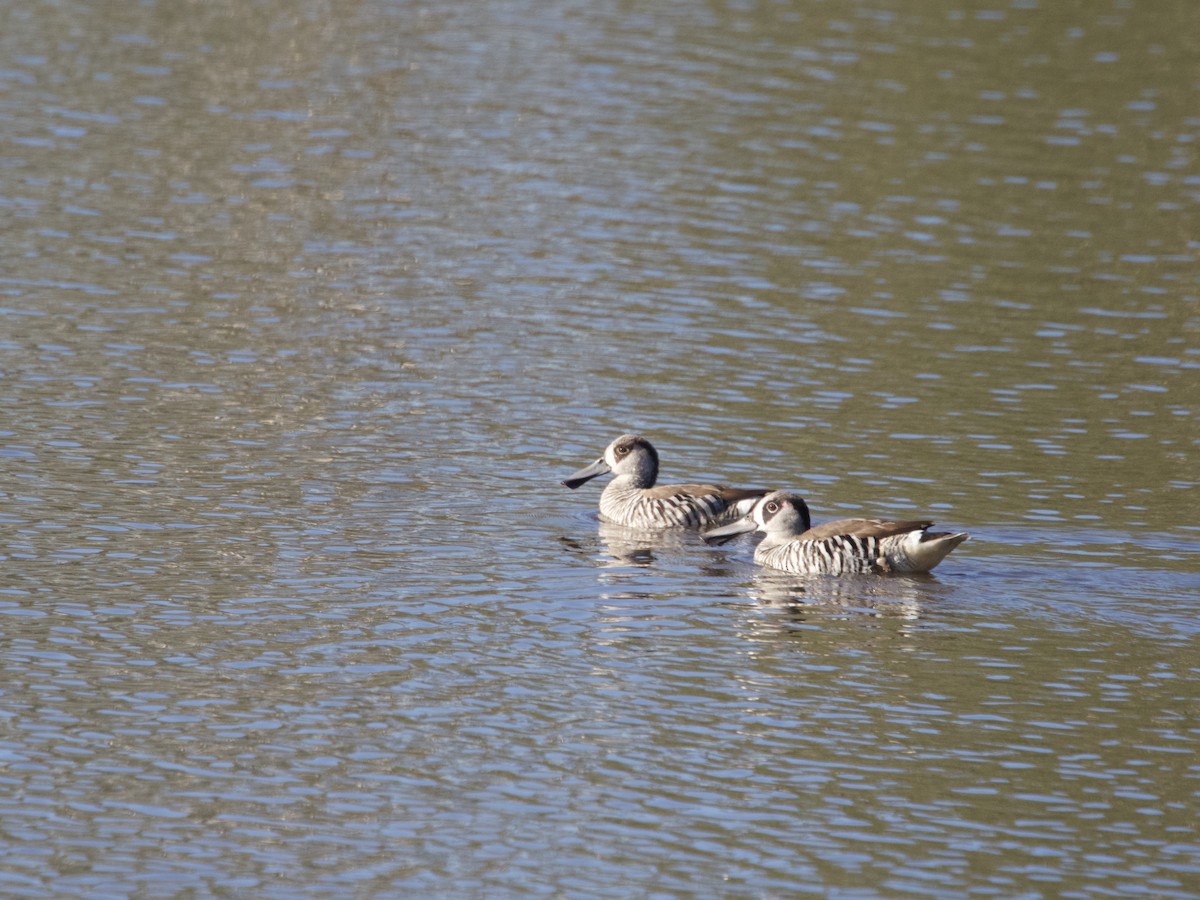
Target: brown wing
x=665 y=491
x=729 y=495
x=862 y=528
x=737 y=495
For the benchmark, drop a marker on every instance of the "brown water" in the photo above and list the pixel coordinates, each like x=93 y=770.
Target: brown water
x=306 y=308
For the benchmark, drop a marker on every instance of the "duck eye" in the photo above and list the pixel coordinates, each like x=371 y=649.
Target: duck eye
x=621 y=451
x=772 y=507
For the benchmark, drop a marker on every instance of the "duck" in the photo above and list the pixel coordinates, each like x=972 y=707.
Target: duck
x=842 y=547
x=634 y=500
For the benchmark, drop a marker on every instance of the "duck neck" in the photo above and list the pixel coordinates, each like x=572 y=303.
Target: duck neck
x=775 y=539
x=628 y=484
x=640 y=478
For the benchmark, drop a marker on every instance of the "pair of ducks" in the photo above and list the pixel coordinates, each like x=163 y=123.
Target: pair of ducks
x=844 y=547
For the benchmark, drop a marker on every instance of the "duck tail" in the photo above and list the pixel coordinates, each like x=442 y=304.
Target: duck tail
x=932 y=548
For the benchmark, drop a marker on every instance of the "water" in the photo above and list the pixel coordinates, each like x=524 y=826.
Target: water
x=306 y=309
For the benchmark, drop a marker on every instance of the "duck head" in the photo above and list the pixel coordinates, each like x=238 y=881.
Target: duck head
x=782 y=515
x=630 y=456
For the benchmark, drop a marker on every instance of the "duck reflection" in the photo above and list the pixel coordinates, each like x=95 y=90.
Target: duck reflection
x=898 y=596
x=642 y=547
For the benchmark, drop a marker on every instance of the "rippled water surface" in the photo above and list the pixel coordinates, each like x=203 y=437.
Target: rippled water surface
x=305 y=310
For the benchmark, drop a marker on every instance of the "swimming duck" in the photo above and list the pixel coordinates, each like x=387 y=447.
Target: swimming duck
x=843 y=547
x=632 y=499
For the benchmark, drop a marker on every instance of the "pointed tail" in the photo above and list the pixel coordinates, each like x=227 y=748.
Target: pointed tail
x=933 y=548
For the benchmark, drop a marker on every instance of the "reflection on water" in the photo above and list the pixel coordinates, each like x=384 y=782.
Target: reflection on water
x=624 y=546
x=303 y=314
x=899 y=595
